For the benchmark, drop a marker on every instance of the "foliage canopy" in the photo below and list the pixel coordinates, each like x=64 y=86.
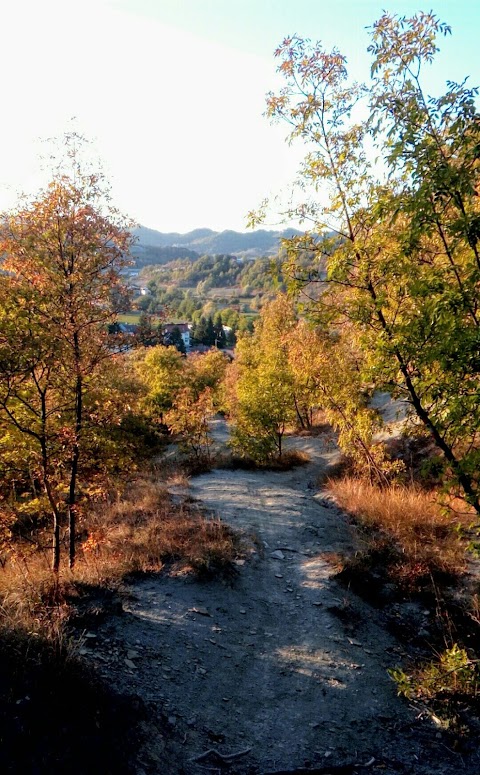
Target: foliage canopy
x=399 y=261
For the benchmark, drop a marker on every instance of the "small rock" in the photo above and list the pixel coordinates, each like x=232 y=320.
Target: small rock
x=202 y=671
x=317 y=602
x=354 y=642
x=130 y=664
x=278 y=576
x=199 y=611
x=327 y=754
x=90 y=635
x=242 y=611
x=172 y=720
x=131 y=654
x=239 y=562
x=277 y=555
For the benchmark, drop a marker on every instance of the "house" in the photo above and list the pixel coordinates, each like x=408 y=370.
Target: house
x=185 y=333
x=140 y=290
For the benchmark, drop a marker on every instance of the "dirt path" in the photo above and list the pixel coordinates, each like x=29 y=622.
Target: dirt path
x=283 y=666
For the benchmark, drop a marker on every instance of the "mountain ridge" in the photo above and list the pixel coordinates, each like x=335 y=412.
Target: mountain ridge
x=261 y=242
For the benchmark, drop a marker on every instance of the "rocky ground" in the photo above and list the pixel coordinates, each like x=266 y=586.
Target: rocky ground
x=278 y=669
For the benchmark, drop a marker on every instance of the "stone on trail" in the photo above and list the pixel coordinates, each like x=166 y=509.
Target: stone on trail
x=277 y=555
x=199 y=611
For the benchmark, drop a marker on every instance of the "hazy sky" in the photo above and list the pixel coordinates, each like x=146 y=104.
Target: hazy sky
x=173 y=92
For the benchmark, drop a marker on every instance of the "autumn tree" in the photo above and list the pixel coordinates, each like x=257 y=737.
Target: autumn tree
x=398 y=260
x=162 y=371
x=63 y=252
x=182 y=394
x=189 y=419
x=207 y=370
x=262 y=405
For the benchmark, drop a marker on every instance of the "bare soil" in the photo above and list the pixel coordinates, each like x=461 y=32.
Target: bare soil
x=278 y=669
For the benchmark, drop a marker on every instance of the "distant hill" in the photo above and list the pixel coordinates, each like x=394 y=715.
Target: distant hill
x=145 y=254
x=206 y=241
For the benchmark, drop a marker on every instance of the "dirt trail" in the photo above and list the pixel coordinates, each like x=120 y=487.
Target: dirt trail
x=283 y=666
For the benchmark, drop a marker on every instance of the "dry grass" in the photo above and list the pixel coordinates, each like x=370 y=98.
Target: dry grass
x=49 y=698
x=140 y=531
x=144 y=530
x=405 y=529
x=289 y=459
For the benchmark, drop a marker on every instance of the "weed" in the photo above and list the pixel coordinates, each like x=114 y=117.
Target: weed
x=445 y=683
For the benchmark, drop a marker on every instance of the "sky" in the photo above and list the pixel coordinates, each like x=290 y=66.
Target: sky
x=172 y=94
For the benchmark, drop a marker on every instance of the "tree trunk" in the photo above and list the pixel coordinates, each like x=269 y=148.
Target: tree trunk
x=48 y=489
x=56 y=523
x=72 y=490
x=299 y=414
x=72 y=516
x=56 y=543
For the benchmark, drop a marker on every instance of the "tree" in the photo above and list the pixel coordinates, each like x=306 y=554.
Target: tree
x=174 y=338
x=204 y=331
x=220 y=338
x=147 y=334
x=399 y=258
x=189 y=419
x=262 y=406
x=162 y=370
x=62 y=256
x=207 y=370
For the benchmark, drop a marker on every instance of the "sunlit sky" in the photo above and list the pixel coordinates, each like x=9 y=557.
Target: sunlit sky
x=172 y=92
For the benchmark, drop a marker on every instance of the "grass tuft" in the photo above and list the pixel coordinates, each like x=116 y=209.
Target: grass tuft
x=406 y=534
x=289 y=459
x=144 y=530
